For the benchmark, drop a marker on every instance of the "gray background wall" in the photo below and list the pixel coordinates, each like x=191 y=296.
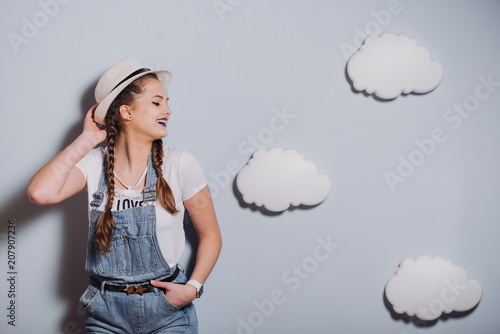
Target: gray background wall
x=233 y=72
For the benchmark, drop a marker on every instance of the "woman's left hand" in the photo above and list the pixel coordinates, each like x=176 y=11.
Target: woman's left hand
x=178 y=294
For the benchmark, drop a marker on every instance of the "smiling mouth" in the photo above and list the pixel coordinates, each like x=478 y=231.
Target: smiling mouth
x=162 y=122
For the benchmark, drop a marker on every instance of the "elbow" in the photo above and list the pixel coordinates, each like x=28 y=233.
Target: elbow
x=220 y=241
x=217 y=241
x=216 y=237
x=220 y=245
x=213 y=239
x=39 y=197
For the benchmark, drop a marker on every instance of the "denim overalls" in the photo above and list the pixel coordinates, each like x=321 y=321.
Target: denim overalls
x=134 y=258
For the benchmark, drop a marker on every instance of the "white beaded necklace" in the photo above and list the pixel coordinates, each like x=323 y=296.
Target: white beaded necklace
x=128 y=187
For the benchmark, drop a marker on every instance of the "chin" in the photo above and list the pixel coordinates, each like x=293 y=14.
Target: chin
x=157 y=136
x=162 y=135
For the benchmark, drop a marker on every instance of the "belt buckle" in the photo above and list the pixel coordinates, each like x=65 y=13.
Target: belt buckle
x=134 y=289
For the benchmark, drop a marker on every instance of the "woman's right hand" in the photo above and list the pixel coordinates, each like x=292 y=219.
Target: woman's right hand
x=90 y=128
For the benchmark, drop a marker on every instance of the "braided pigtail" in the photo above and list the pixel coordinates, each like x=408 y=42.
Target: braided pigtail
x=165 y=196
x=106 y=223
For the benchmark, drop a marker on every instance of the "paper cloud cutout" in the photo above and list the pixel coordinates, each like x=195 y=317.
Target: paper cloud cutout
x=278 y=178
x=388 y=64
x=427 y=286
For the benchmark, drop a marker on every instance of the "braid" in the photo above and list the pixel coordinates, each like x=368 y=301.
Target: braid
x=111 y=165
x=106 y=223
x=165 y=195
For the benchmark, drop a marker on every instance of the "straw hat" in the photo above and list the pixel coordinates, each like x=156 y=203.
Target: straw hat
x=119 y=76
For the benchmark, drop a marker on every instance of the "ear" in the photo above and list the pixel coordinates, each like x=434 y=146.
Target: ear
x=125 y=112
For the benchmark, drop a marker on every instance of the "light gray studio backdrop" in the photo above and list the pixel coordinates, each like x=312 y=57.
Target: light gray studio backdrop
x=251 y=74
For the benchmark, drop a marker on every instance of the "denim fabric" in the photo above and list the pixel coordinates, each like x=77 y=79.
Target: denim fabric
x=115 y=312
x=134 y=258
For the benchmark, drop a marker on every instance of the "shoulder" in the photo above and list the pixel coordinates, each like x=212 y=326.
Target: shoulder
x=179 y=159
x=99 y=152
x=93 y=159
x=96 y=156
x=183 y=170
x=91 y=164
x=172 y=151
x=175 y=155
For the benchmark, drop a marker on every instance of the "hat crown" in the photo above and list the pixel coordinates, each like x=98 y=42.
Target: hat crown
x=114 y=76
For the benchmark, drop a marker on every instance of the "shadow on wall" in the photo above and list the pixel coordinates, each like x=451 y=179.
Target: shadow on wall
x=192 y=241
x=71 y=278
x=423 y=323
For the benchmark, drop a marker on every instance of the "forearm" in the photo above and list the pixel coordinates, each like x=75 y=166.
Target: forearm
x=208 y=252
x=48 y=182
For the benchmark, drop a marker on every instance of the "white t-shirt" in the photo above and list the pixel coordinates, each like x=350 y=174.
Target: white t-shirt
x=183 y=174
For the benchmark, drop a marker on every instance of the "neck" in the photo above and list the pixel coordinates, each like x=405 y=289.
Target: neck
x=131 y=155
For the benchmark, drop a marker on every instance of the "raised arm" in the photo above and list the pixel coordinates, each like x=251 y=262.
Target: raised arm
x=59 y=179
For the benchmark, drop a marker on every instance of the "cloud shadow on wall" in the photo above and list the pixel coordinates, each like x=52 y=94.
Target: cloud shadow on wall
x=423 y=323
x=262 y=209
x=375 y=97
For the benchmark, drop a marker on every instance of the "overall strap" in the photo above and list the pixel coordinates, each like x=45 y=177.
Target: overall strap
x=149 y=190
x=151 y=181
x=99 y=194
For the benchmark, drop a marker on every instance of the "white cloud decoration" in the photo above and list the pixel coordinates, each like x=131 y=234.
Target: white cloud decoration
x=427 y=286
x=277 y=178
x=388 y=64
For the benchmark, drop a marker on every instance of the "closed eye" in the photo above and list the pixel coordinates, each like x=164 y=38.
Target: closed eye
x=156 y=104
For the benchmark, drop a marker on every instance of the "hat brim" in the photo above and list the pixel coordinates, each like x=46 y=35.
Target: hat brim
x=165 y=77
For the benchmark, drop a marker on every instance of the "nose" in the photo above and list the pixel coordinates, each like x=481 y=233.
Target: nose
x=167 y=110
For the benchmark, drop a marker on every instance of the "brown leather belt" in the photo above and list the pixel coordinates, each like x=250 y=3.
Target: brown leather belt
x=133 y=287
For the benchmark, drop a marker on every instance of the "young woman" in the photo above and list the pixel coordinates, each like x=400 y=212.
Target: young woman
x=138 y=191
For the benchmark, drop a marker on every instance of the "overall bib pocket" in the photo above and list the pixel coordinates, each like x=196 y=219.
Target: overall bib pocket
x=129 y=255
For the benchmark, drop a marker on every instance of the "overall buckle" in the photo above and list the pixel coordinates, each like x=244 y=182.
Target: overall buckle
x=96 y=202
